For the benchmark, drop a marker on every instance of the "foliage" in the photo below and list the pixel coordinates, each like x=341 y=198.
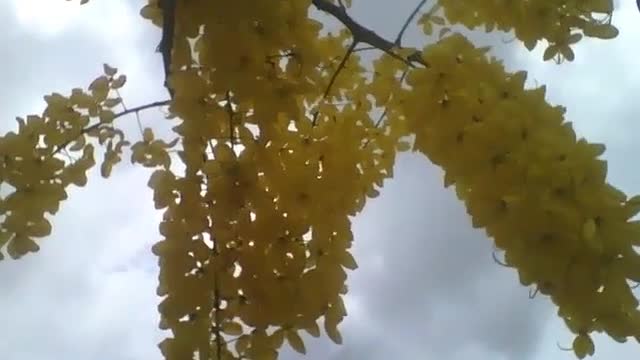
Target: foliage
x=282 y=134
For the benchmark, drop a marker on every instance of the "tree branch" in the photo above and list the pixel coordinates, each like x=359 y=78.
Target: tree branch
x=334 y=76
x=142 y=107
x=362 y=34
x=120 y=114
x=165 y=47
x=408 y=21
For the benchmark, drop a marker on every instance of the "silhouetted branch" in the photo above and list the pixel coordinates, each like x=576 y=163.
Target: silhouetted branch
x=362 y=34
x=165 y=47
x=408 y=21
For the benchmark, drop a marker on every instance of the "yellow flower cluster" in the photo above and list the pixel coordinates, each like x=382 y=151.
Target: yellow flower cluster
x=561 y=23
x=537 y=190
x=282 y=140
x=34 y=174
x=256 y=234
x=261 y=228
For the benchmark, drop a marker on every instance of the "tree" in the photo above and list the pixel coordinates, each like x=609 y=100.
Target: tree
x=282 y=133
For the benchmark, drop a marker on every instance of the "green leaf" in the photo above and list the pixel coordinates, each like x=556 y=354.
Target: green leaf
x=347 y=260
x=604 y=31
x=232 y=328
x=119 y=82
x=583 y=346
x=242 y=343
x=601 y=6
x=550 y=52
x=313 y=329
x=108 y=70
x=296 y=341
x=112 y=102
x=333 y=332
x=567 y=53
x=574 y=38
x=530 y=44
x=277 y=338
x=438 y=20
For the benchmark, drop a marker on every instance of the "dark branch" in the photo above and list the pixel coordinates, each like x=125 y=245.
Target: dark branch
x=362 y=34
x=408 y=21
x=217 y=303
x=165 y=47
x=231 y=115
x=365 y=48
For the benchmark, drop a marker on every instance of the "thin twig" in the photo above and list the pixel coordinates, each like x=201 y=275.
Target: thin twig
x=216 y=303
x=367 y=36
x=124 y=106
x=413 y=14
x=215 y=251
x=365 y=48
x=120 y=114
x=563 y=348
x=340 y=67
x=386 y=108
x=231 y=114
x=384 y=113
x=497 y=261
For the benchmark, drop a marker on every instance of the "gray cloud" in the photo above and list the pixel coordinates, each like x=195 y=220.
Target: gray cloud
x=68 y=301
x=427 y=286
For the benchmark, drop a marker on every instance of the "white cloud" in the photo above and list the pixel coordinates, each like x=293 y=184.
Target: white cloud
x=45 y=17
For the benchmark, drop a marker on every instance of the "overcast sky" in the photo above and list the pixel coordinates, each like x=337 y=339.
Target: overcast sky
x=427 y=287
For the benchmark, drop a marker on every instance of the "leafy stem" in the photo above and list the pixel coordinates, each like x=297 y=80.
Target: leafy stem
x=118 y=115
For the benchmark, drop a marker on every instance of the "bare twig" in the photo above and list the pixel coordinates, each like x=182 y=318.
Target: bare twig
x=563 y=348
x=497 y=261
x=365 y=48
x=166 y=43
x=413 y=14
x=231 y=114
x=364 y=35
x=334 y=76
x=124 y=106
x=340 y=67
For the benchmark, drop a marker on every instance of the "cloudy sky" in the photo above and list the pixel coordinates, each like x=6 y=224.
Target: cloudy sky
x=427 y=286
